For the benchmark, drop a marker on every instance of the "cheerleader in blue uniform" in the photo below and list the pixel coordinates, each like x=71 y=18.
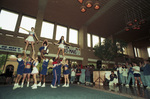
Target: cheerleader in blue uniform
x=44 y=49
x=66 y=74
x=55 y=64
x=61 y=46
x=21 y=65
x=27 y=72
x=30 y=38
x=35 y=71
x=43 y=72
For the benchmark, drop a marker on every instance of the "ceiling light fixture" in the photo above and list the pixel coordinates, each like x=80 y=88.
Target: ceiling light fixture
x=89 y=4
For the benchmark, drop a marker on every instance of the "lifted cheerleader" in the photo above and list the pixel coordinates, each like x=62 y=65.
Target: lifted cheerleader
x=44 y=49
x=30 y=39
x=61 y=46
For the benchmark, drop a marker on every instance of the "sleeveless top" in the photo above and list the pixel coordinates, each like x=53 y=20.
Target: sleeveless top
x=21 y=62
x=62 y=42
x=31 y=33
x=35 y=63
x=28 y=63
x=45 y=63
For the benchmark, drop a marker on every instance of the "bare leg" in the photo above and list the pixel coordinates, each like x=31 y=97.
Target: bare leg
x=135 y=80
x=28 y=78
x=24 y=76
x=32 y=44
x=35 y=81
x=27 y=43
x=44 y=79
x=140 y=80
x=40 y=77
x=19 y=78
x=16 y=80
x=63 y=52
x=58 y=51
x=67 y=79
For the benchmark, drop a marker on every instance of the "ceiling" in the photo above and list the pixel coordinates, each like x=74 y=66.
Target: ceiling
x=109 y=20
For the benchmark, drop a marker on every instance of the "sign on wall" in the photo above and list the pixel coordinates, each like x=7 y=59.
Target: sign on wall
x=72 y=50
x=7 y=48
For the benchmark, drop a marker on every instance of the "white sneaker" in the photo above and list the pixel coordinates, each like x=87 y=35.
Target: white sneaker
x=127 y=85
x=21 y=85
x=18 y=86
x=39 y=84
x=78 y=83
x=43 y=85
x=53 y=86
x=64 y=85
x=15 y=87
x=67 y=85
x=34 y=87
x=58 y=85
x=27 y=84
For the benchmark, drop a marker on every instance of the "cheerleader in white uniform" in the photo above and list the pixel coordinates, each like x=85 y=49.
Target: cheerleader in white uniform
x=61 y=46
x=30 y=38
x=35 y=71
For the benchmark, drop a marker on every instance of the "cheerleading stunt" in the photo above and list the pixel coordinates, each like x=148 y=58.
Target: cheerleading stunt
x=30 y=39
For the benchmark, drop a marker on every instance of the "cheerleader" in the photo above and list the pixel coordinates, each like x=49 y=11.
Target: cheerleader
x=27 y=72
x=21 y=65
x=66 y=74
x=61 y=43
x=30 y=39
x=43 y=50
x=43 y=72
x=55 y=64
x=35 y=71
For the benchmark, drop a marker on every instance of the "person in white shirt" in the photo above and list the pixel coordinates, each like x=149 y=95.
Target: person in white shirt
x=73 y=74
x=120 y=73
x=124 y=74
x=136 y=73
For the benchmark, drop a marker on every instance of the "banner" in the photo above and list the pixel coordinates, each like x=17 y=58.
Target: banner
x=72 y=50
x=7 y=48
